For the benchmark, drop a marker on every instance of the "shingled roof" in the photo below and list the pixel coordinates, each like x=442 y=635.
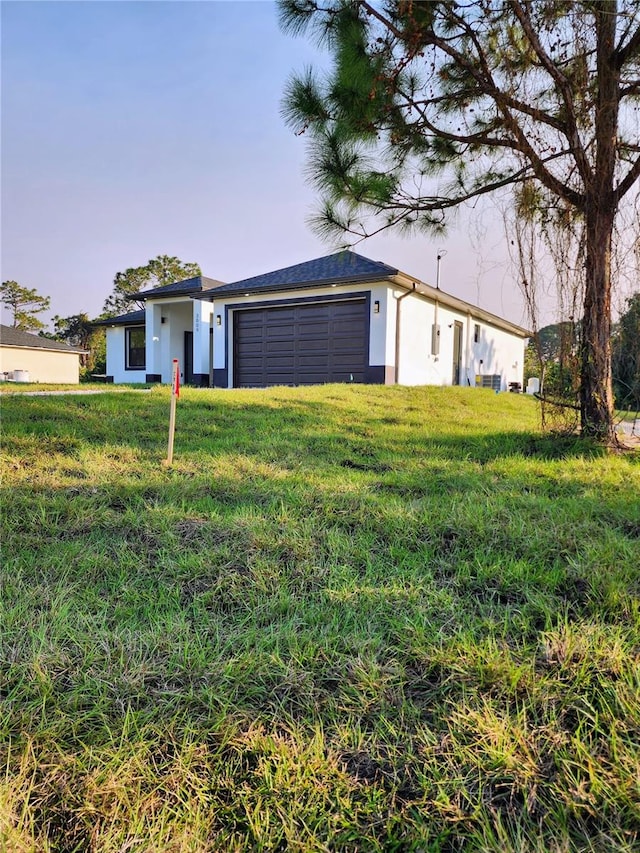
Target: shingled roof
x=12 y=337
x=133 y=318
x=340 y=268
x=179 y=288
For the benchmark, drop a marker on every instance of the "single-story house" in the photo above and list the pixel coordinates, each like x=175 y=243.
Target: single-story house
x=25 y=357
x=339 y=318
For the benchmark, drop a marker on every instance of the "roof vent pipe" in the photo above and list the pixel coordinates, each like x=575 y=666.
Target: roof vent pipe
x=439 y=257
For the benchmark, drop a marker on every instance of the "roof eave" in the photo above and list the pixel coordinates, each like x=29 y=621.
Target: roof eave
x=65 y=351
x=444 y=298
x=288 y=286
x=398 y=278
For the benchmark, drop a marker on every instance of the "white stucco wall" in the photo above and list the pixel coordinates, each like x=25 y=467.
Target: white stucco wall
x=496 y=352
x=202 y=314
x=219 y=333
x=42 y=365
x=153 y=340
x=415 y=364
x=381 y=324
x=116 y=357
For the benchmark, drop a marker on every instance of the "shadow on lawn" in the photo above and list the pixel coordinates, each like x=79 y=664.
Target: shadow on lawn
x=320 y=431
x=331 y=431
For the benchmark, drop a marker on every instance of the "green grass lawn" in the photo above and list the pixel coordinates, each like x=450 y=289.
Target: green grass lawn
x=346 y=619
x=72 y=388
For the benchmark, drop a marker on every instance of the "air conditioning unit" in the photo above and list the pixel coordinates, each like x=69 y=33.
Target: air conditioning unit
x=489 y=380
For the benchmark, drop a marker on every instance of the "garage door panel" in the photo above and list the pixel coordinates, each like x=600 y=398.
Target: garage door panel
x=347 y=345
x=347 y=368
x=279 y=366
x=349 y=316
x=347 y=327
x=273 y=330
x=253 y=363
x=310 y=362
x=350 y=376
x=317 y=347
x=252 y=346
x=253 y=324
x=279 y=359
x=300 y=345
x=280 y=377
x=282 y=315
x=311 y=330
x=314 y=312
x=279 y=347
x=248 y=318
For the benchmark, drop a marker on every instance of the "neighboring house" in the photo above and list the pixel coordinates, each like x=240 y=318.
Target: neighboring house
x=141 y=345
x=29 y=358
x=340 y=318
x=345 y=318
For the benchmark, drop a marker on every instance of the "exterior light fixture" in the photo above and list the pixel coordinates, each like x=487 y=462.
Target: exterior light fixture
x=218 y=320
x=376 y=306
x=163 y=319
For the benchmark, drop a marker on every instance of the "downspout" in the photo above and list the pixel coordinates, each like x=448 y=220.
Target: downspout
x=435 y=333
x=435 y=329
x=398 y=301
x=468 y=349
x=211 y=345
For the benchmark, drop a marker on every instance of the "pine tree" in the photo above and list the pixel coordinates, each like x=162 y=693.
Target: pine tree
x=432 y=104
x=156 y=273
x=25 y=303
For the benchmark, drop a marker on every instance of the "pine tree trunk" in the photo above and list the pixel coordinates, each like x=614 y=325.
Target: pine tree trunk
x=596 y=393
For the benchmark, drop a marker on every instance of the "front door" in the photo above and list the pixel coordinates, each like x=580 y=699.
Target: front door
x=457 y=352
x=188 y=358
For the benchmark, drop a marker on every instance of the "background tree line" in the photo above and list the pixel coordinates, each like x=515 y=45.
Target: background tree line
x=553 y=355
x=79 y=330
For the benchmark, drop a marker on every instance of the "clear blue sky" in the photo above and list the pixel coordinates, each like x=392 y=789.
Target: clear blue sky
x=133 y=129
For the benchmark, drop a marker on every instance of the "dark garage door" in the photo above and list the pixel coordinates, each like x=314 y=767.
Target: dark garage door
x=300 y=344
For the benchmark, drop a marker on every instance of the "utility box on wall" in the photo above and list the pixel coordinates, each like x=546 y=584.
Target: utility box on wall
x=435 y=339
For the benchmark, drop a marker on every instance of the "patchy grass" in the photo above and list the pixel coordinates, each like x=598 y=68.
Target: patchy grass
x=347 y=619
x=36 y=387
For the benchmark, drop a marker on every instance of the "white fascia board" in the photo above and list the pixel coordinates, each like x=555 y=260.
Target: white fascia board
x=433 y=293
x=170 y=300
